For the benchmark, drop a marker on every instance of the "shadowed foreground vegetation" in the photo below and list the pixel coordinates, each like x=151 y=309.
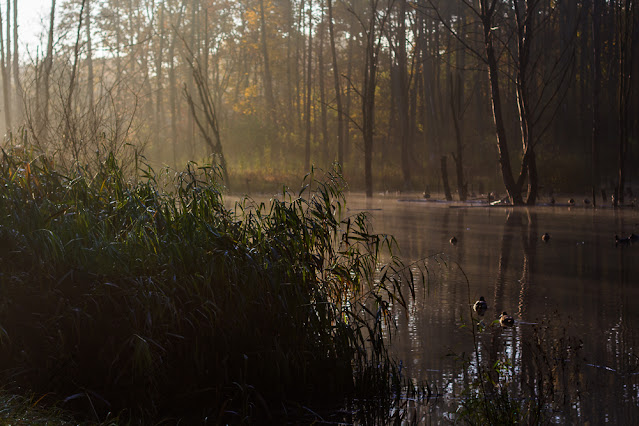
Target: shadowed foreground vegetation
x=126 y=299
x=144 y=300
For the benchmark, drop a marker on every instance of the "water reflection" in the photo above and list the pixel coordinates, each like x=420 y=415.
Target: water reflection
x=577 y=290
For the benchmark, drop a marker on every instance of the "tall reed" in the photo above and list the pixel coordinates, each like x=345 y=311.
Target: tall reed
x=131 y=298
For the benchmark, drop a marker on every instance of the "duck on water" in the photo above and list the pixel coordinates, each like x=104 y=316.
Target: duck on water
x=480 y=306
x=506 y=320
x=632 y=238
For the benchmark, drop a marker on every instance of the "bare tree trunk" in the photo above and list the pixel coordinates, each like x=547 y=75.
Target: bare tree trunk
x=205 y=41
x=596 y=84
x=272 y=121
x=43 y=104
x=633 y=125
x=208 y=108
x=418 y=86
x=322 y=90
x=368 y=99
x=16 y=63
x=403 y=97
x=373 y=35
x=444 y=170
x=300 y=59
x=525 y=32
x=90 y=77
x=426 y=93
x=533 y=179
x=289 y=118
x=68 y=111
x=173 y=101
x=173 y=87
x=414 y=83
x=268 y=79
x=195 y=52
x=348 y=100
x=455 y=109
x=8 y=57
x=5 y=80
x=74 y=68
x=626 y=52
x=430 y=119
x=393 y=103
x=147 y=29
x=118 y=48
x=159 y=58
x=338 y=90
x=456 y=88
x=487 y=13
x=309 y=73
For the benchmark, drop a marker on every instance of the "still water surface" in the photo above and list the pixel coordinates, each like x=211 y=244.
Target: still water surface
x=578 y=284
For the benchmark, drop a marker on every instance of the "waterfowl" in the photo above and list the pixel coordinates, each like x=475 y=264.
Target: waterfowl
x=586 y=201
x=622 y=241
x=571 y=202
x=426 y=194
x=545 y=237
x=633 y=237
x=480 y=306
x=506 y=320
x=453 y=240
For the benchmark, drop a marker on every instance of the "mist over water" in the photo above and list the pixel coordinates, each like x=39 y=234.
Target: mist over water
x=578 y=283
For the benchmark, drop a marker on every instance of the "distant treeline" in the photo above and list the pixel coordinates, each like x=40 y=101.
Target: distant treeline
x=532 y=96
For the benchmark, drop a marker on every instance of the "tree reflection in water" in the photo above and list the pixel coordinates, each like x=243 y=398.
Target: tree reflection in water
x=576 y=290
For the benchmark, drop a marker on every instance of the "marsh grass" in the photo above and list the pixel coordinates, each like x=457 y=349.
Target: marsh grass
x=546 y=389
x=128 y=298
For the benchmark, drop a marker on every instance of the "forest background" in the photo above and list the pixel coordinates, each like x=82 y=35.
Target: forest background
x=522 y=97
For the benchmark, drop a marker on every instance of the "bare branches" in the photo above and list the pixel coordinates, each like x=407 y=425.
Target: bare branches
x=207 y=108
x=450 y=29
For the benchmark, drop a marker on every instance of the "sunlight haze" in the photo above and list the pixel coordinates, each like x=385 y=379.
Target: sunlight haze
x=31 y=15
x=319 y=211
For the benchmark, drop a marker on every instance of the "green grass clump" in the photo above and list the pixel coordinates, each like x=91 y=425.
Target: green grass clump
x=126 y=298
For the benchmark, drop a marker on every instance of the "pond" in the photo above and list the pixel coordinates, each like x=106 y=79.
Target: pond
x=579 y=287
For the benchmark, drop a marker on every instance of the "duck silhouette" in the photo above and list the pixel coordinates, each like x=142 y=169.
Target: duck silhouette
x=622 y=241
x=480 y=306
x=506 y=320
x=545 y=237
x=453 y=240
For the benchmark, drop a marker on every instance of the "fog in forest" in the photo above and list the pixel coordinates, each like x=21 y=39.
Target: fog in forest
x=524 y=98
x=139 y=284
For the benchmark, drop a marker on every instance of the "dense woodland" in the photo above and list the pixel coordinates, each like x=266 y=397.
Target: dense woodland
x=524 y=97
